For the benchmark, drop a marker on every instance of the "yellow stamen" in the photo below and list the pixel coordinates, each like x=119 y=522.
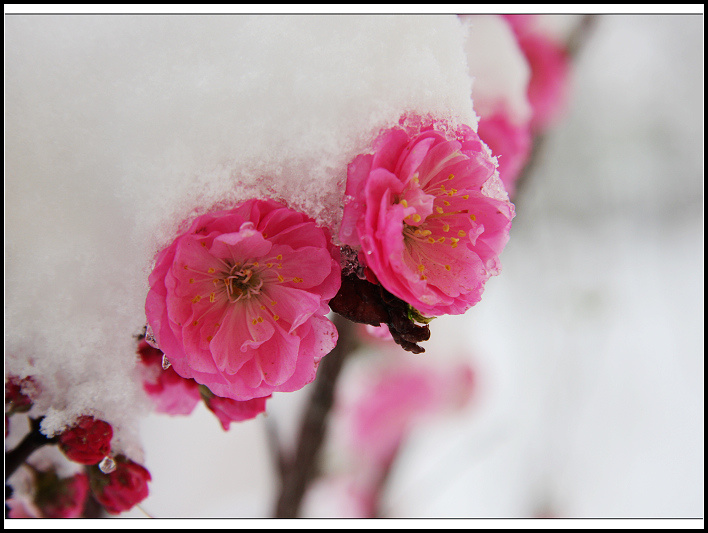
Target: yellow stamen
x=439 y=210
x=281 y=278
x=209 y=337
x=461 y=233
x=466 y=197
x=211 y=270
x=431 y=240
x=421 y=268
x=279 y=257
x=473 y=217
x=451 y=176
x=404 y=203
x=416 y=218
x=448 y=267
x=276 y=317
x=260 y=319
x=196 y=299
x=212 y=297
x=191 y=280
x=441 y=239
x=446 y=227
x=445 y=202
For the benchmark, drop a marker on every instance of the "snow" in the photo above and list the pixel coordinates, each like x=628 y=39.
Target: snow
x=121 y=128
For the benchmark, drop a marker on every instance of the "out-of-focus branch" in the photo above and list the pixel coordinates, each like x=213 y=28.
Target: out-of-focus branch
x=31 y=443
x=576 y=41
x=299 y=472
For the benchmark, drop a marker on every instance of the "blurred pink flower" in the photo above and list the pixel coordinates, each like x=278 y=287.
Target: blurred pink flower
x=171 y=393
x=550 y=69
x=123 y=488
x=22 y=508
x=342 y=496
x=237 y=302
x=396 y=398
x=87 y=441
x=430 y=215
x=510 y=142
x=53 y=497
x=501 y=75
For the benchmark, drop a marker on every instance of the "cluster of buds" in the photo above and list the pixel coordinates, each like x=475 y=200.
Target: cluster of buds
x=115 y=482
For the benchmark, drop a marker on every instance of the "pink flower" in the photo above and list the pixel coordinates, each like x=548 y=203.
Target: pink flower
x=501 y=76
x=171 y=393
x=228 y=410
x=22 y=508
x=53 y=498
x=430 y=215
x=237 y=302
x=510 y=142
x=88 y=441
x=66 y=500
x=381 y=332
x=397 y=397
x=550 y=69
x=342 y=496
x=175 y=395
x=123 y=488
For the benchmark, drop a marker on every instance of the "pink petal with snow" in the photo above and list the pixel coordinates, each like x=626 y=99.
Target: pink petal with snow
x=237 y=302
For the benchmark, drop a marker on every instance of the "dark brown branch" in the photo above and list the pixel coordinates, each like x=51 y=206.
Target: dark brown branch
x=31 y=443
x=275 y=447
x=300 y=472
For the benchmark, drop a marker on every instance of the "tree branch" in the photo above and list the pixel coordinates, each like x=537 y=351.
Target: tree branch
x=299 y=473
x=31 y=443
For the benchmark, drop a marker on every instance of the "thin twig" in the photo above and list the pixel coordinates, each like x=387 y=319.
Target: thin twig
x=31 y=443
x=274 y=445
x=576 y=41
x=300 y=472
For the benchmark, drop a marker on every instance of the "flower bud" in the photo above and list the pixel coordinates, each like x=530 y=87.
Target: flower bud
x=88 y=441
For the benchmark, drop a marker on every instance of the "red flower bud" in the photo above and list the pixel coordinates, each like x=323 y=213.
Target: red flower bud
x=121 y=489
x=18 y=399
x=88 y=441
x=53 y=497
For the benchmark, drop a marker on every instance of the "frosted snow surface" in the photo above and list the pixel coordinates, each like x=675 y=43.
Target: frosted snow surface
x=119 y=128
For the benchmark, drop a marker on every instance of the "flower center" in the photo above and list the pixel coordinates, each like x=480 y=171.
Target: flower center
x=242 y=281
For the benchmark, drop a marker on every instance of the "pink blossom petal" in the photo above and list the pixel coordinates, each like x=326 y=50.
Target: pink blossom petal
x=432 y=228
x=233 y=299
